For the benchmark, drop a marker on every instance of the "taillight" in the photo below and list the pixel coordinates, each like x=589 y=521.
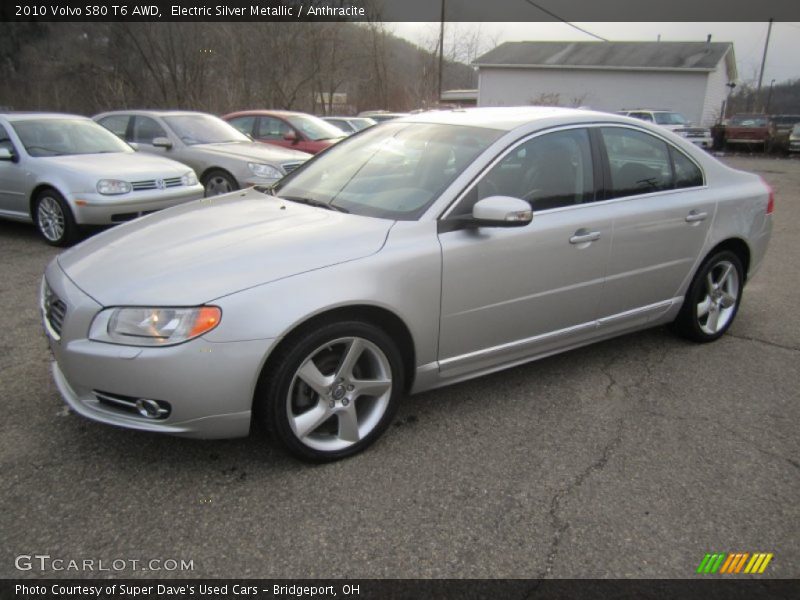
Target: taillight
x=771 y=201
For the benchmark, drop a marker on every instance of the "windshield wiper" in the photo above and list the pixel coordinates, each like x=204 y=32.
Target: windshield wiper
x=313 y=202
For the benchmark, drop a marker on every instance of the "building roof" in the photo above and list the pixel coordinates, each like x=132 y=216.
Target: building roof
x=672 y=56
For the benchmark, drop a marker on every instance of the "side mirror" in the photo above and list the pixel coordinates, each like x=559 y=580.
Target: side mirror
x=6 y=154
x=162 y=142
x=502 y=211
x=290 y=136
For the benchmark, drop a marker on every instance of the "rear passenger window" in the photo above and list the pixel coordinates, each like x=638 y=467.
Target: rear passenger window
x=639 y=162
x=116 y=124
x=244 y=124
x=687 y=174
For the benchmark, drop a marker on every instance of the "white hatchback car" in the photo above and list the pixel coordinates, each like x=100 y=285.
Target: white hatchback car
x=61 y=171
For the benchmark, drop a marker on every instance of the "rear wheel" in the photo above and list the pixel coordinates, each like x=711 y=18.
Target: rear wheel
x=53 y=219
x=219 y=182
x=333 y=391
x=713 y=298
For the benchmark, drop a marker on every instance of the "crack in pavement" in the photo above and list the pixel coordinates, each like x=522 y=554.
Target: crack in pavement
x=560 y=525
x=765 y=342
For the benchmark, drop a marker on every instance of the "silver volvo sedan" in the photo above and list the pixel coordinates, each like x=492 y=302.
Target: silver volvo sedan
x=417 y=253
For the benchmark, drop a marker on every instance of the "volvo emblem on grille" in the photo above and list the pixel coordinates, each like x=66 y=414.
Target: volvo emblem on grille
x=160 y=184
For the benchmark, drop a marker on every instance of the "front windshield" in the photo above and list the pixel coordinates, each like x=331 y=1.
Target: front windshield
x=204 y=129
x=669 y=118
x=59 y=137
x=315 y=128
x=748 y=121
x=796 y=129
x=393 y=171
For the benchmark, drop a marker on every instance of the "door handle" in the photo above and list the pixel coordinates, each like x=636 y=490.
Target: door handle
x=696 y=216
x=582 y=236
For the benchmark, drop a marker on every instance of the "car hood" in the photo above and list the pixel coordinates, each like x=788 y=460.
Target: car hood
x=199 y=251
x=254 y=151
x=130 y=166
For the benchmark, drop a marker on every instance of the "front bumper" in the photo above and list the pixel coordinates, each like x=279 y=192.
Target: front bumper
x=208 y=386
x=794 y=146
x=96 y=209
x=702 y=141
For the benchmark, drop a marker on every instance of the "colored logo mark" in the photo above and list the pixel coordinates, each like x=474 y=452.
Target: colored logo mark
x=731 y=563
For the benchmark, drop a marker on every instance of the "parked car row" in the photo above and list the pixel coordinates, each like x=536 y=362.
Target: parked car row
x=63 y=171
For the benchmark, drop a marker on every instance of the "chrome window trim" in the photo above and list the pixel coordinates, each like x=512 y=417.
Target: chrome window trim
x=445 y=214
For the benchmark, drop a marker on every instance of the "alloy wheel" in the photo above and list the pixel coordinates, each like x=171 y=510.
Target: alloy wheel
x=50 y=217
x=339 y=394
x=716 y=308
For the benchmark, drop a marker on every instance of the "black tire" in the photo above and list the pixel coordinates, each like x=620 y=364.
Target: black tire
x=282 y=389
x=217 y=182
x=696 y=327
x=53 y=219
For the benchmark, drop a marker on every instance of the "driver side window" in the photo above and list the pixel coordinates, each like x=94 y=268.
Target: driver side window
x=548 y=171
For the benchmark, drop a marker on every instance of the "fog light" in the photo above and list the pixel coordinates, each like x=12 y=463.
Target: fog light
x=150 y=409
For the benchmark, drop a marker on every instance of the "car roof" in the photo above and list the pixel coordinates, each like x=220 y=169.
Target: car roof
x=655 y=110
x=512 y=117
x=267 y=112
x=152 y=113
x=24 y=116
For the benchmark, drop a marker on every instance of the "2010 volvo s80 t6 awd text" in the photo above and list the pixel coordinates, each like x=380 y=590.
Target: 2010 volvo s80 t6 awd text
x=420 y=252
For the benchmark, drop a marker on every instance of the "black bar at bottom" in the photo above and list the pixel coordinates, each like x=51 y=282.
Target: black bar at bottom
x=401 y=589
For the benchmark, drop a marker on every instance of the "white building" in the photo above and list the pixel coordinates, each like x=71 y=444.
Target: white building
x=689 y=77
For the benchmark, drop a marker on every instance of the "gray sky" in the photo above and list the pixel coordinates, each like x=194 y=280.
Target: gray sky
x=783 y=58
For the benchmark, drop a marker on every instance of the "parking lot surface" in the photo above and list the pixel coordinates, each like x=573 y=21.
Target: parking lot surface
x=631 y=458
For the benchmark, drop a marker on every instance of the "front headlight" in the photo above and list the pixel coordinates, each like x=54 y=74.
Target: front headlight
x=135 y=326
x=109 y=187
x=189 y=178
x=265 y=171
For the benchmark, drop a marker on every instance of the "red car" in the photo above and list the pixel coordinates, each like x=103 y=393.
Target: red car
x=747 y=129
x=295 y=130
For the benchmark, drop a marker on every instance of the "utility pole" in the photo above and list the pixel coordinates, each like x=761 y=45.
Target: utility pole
x=441 y=55
x=763 y=62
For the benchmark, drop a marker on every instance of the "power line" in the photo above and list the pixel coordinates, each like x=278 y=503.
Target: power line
x=555 y=16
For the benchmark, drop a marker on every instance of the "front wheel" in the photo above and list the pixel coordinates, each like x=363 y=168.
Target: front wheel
x=53 y=219
x=333 y=391
x=713 y=298
x=219 y=182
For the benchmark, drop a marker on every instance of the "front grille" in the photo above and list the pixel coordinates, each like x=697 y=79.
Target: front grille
x=289 y=167
x=156 y=184
x=54 y=310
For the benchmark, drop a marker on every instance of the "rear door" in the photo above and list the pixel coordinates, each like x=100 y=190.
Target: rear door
x=508 y=293
x=662 y=213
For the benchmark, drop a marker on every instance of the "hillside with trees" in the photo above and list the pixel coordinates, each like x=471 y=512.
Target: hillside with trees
x=218 y=67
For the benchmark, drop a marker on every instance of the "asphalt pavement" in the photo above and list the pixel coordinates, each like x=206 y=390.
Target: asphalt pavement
x=630 y=458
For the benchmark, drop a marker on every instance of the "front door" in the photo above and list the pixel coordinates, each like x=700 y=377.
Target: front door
x=510 y=293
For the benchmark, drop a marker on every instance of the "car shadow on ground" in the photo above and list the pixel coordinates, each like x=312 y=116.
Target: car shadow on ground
x=241 y=458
